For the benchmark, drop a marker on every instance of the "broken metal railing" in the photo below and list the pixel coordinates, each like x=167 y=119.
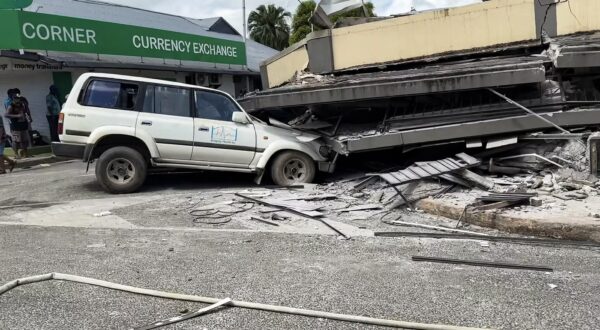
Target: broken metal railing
x=423 y=170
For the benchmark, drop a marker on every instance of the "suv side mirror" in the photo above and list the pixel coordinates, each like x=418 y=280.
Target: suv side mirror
x=240 y=118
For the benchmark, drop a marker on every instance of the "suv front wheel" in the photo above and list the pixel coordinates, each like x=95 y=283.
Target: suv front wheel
x=292 y=167
x=121 y=170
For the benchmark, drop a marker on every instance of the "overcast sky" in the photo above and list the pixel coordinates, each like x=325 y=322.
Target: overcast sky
x=231 y=10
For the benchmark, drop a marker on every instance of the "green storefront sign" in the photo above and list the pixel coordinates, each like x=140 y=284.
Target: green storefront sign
x=33 y=31
x=15 y=4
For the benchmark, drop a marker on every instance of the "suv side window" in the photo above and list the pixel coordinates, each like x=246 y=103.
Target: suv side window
x=172 y=101
x=214 y=106
x=111 y=94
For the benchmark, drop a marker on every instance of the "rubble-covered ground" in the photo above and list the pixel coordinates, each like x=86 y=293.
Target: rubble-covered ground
x=566 y=193
x=350 y=212
x=561 y=181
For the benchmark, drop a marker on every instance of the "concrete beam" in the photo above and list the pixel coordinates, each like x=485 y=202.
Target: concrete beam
x=388 y=88
x=474 y=129
x=588 y=59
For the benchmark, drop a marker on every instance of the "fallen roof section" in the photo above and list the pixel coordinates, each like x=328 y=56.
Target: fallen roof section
x=576 y=51
x=464 y=75
x=587 y=117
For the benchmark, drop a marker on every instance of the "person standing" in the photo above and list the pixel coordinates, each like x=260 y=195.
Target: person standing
x=19 y=125
x=4 y=159
x=53 y=110
x=27 y=115
x=10 y=94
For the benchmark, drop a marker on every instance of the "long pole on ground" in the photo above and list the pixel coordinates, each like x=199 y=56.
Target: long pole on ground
x=241 y=304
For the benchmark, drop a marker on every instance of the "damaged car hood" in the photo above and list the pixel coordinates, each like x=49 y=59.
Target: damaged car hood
x=283 y=130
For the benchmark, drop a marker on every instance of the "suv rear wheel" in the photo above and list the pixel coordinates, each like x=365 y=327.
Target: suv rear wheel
x=292 y=167
x=121 y=170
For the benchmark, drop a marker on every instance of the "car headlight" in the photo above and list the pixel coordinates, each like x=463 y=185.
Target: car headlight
x=325 y=151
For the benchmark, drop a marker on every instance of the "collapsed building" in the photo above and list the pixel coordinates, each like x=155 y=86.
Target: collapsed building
x=475 y=75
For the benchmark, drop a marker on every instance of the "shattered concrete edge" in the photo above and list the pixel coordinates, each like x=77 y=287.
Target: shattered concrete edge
x=512 y=224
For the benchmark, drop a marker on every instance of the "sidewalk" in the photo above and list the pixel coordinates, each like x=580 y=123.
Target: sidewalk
x=572 y=220
x=41 y=155
x=38 y=160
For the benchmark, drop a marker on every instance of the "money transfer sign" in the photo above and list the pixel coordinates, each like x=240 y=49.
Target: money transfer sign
x=33 y=31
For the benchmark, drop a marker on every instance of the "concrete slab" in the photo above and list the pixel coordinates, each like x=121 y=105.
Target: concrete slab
x=572 y=220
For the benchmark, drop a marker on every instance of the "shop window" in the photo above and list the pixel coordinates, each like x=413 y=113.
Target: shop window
x=170 y=101
x=111 y=94
x=214 y=106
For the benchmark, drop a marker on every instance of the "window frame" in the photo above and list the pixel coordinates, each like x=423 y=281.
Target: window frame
x=146 y=85
x=88 y=83
x=227 y=96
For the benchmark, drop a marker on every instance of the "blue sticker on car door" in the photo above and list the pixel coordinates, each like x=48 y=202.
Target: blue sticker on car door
x=224 y=134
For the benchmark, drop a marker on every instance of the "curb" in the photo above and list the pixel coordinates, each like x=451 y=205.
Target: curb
x=38 y=161
x=512 y=224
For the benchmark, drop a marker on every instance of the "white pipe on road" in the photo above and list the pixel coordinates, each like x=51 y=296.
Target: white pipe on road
x=242 y=304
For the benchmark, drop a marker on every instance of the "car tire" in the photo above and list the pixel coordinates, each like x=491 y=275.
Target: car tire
x=293 y=167
x=121 y=170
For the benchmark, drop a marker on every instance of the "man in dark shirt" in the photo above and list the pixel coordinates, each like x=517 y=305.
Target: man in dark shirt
x=53 y=108
x=19 y=125
x=27 y=115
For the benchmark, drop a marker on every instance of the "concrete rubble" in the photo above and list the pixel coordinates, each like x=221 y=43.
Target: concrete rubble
x=539 y=188
x=558 y=199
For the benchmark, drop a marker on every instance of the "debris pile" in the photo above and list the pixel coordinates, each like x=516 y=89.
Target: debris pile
x=308 y=78
x=290 y=209
x=561 y=171
x=330 y=209
x=554 y=169
x=534 y=177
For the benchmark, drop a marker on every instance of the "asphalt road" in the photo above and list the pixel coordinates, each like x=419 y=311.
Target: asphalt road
x=364 y=276
x=68 y=181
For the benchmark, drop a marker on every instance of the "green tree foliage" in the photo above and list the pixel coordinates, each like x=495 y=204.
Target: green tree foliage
x=358 y=12
x=302 y=27
x=300 y=23
x=268 y=25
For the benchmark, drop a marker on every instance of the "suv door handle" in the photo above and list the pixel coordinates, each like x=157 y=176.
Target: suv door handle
x=147 y=123
x=203 y=129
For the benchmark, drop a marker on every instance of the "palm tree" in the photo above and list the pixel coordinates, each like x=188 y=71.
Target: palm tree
x=268 y=25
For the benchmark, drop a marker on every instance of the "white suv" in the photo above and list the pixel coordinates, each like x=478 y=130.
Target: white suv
x=130 y=124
